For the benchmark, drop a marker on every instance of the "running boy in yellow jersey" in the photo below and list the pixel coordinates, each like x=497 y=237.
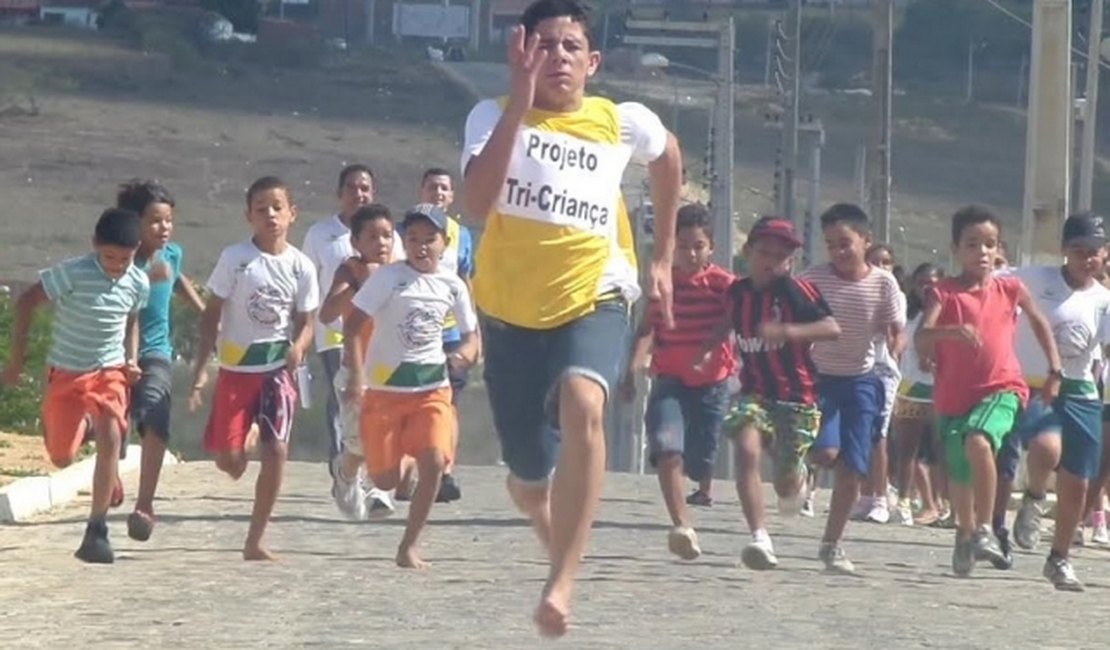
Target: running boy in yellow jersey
x=555 y=273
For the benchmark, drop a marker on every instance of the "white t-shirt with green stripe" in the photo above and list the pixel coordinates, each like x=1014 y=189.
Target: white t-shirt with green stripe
x=90 y=312
x=409 y=309
x=261 y=293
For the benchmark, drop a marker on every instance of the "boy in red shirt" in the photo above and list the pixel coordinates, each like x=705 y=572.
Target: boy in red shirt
x=687 y=405
x=776 y=317
x=968 y=329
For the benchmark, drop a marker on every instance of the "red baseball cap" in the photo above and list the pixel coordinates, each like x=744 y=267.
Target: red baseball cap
x=777 y=227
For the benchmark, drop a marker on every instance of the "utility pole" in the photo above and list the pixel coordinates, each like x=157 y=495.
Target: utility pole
x=1090 y=113
x=881 y=83
x=793 y=108
x=813 y=205
x=723 y=182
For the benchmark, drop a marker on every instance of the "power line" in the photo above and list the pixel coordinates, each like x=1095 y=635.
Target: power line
x=1074 y=50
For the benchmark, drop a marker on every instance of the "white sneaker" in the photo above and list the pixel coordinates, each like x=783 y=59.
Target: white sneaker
x=903 y=513
x=1080 y=538
x=860 y=509
x=683 y=542
x=348 y=496
x=379 y=504
x=879 y=512
x=760 y=554
x=1100 y=536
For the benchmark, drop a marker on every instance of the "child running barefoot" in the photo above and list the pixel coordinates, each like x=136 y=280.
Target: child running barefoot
x=93 y=351
x=687 y=404
x=372 y=238
x=406 y=409
x=776 y=317
x=263 y=301
x=968 y=329
x=161 y=260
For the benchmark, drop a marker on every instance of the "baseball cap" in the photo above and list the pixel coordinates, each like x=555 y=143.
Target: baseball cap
x=777 y=227
x=429 y=212
x=1084 y=229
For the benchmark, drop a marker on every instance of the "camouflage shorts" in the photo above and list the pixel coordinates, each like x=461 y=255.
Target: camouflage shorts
x=787 y=429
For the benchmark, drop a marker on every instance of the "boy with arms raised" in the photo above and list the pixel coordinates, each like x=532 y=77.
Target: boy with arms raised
x=1065 y=435
x=776 y=318
x=555 y=272
x=406 y=408
x=866 y=302
x=263 y=299
x=161 y=260
x=93 y=358
x=687 y=405
x=968 y=329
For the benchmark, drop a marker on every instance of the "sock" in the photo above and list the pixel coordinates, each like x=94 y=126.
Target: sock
x=1056 y=555
x=761 y=535
x=1098 y=518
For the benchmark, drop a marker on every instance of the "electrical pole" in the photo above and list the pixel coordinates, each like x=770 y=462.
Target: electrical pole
x=1090 y=113
x=723 y=124
x=793 y=108
x=881 y=82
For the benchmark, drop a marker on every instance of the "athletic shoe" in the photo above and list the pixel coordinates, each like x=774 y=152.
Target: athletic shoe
x=379 y=505
x=985 y=548
x=1027 y=523
x=349 y=495
x=759 y=555
x=1059 y=572
x=807 y=506
x=835 y=560
x=95 y=548
x=879 y=512
x=683 y=542
x=860 y=509
x=963 y=556
x=903 y=513
x=1100 y=535
x=1080 y=537
x=140 y=525
x=699 y=498
x=1006 y=560
x=448 y=490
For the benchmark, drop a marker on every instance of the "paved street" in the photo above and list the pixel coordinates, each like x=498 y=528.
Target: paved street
x=337 y=586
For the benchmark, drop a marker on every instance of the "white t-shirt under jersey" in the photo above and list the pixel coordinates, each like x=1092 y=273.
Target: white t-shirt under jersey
x=261 y=294
x=1080 y=321
x=328 y=244
x=409 y=308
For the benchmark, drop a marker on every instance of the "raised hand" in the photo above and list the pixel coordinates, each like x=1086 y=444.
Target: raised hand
x=526 y=60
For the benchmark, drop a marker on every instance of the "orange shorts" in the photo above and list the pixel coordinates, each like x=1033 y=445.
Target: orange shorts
x=70 y=398
x=394 y=425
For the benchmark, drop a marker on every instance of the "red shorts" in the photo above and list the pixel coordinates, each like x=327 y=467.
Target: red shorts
x=73 y=397
x=241 y=399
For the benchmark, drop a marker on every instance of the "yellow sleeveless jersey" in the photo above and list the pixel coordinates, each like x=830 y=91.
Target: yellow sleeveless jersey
x=559 y=237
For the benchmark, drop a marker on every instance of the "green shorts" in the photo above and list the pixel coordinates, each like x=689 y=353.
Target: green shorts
x=786 y=428
x=994 y=418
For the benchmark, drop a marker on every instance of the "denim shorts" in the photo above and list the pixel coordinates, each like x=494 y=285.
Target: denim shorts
x=1077 y=421
x=525 y=367
x=850 y=408
x=686 y=420
x=151 y=397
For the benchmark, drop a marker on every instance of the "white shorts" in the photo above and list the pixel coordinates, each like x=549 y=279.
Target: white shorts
x=890 y=393
x=349 y=412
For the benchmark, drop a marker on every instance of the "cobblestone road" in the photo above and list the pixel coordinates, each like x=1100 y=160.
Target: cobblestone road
x=336 y=585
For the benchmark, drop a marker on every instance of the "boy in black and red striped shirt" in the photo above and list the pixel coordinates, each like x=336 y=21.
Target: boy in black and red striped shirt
x=776 y=317
x=687 y=406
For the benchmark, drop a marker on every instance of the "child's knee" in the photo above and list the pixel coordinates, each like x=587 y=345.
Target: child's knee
x=388 y=480
x=825 y=458
x=431 y=461
x=62 y=460
x=668 y=460
x=231 y=463
x=977 y=443
x=273 y=451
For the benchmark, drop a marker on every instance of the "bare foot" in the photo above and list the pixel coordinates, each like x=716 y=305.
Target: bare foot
x=258 y=553
x=408 y=559
x=552 y=614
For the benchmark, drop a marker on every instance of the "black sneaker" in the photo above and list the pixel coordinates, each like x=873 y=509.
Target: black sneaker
x=448 y=490
x=699 y=498
x=95 y=548
x=1005 y=561
x=139 y=526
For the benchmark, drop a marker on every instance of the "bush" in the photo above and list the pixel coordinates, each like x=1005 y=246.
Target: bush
x=20 y=406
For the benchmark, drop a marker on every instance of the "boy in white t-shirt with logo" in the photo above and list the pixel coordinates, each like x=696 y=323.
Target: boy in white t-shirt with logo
x=263 y=299
x=406 y=406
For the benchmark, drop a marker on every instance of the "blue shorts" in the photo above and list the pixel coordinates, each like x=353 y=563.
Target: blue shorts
x=850 y=410
x=523 y=371
x=1078 y=422
x=686 y=420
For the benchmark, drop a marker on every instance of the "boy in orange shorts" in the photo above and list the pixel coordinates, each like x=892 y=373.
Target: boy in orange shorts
x=92 y=358
x=262 y=301
x=406 y=407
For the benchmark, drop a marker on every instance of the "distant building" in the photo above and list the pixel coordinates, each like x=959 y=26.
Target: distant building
x=72 y=13
x=19 y=11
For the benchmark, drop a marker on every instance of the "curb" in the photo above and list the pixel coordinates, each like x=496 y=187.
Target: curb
x=34 y=494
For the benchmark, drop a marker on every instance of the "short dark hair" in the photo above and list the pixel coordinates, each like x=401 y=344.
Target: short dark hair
x=972 y=215
x=875 y=248
x=118 y=227
x=435 y=171
x=366 y=214
x=356 y=168
x=541 y=10
x=138 y=194
x=265 y=184
x=848 y=214
x=695 y=215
